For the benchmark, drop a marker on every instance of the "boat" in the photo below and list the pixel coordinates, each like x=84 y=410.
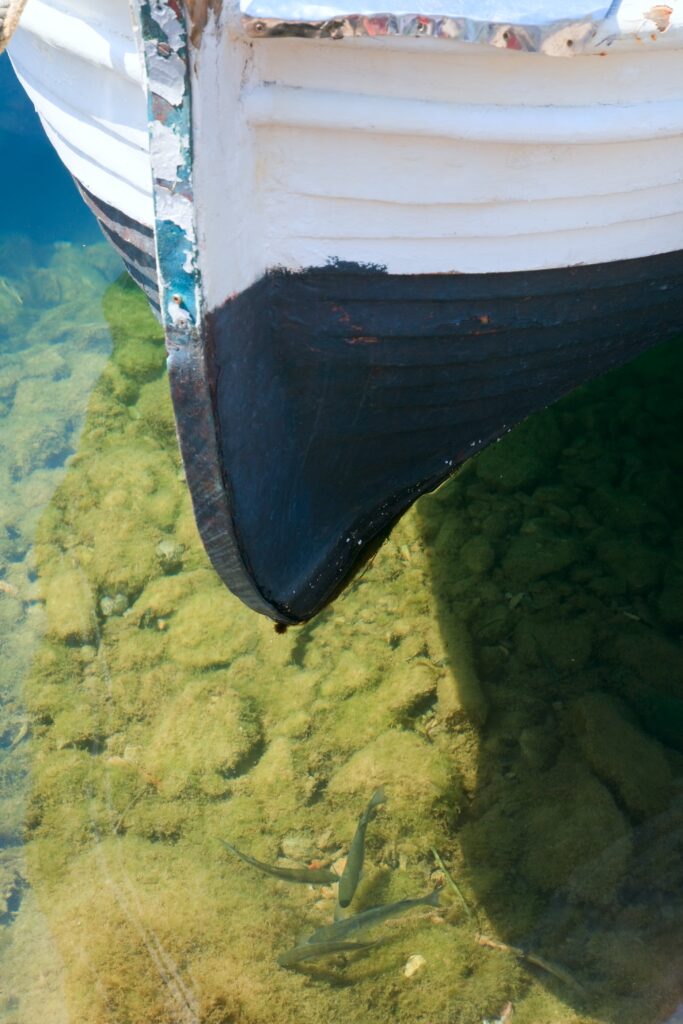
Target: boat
x=377 y=239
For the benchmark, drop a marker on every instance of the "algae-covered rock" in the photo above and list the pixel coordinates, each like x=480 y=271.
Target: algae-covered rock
x=409 y=688
x=459 y=691
x=477 y=554
x=202 y=634
x=205 y=737
x=572 y=824
x=164 y=594
x=531 y=557
x=417 y=775
x=278 y=790
x=77 y=726
x=560 y=644
x=516 y=466
x=70 y=605
x=621 y=755
x=140 y=358
x=539 y=744
x=653 y=656
x=454 y=681
x=120 y=514
x=630 y=561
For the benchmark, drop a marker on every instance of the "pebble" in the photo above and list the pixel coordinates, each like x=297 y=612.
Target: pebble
x=116 y=605
x=414 y=964
x=170 y=555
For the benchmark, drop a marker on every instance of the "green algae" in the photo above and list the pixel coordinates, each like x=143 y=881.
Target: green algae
x=490 y=669
x=50 y=360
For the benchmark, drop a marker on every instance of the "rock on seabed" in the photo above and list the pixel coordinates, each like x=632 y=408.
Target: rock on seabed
x=490 y=685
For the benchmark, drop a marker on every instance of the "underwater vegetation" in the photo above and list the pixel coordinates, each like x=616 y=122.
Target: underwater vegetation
x=508 y=667
x=54 y=343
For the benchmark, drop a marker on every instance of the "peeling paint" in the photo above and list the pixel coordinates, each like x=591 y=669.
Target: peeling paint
x=166 y=150
x=169 y=21
x=176 y=209
x=167 y=70
x=169 y=111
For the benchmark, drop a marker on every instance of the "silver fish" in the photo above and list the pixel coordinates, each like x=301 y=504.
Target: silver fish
x=309 y=876
x=368 y=918
x=298 y=954
x=354 y=862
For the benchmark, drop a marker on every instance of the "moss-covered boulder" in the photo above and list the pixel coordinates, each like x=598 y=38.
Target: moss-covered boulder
x=70 y=605
x=205 y=737
x=622 y=755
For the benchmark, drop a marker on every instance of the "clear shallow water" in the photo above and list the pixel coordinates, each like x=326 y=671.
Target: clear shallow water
x=508 y=667
x=54 y=343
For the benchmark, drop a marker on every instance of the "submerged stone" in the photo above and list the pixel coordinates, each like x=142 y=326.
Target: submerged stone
x=572 y=824
x=70 y=605
x=621 y=755
x=204 y=737
x=170 y=555
x=531 y=557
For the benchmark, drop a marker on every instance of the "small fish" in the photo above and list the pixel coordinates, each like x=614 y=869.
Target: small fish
x=531 y=958
x=309 y=876
x=354 y=862
x=368 y=918
x=310 y=951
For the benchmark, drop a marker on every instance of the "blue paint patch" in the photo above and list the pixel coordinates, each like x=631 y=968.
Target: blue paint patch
x=172 y=253
x=169 y=104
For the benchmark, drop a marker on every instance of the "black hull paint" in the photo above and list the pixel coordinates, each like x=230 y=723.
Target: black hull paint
x=133 y=242
x=342 y=394
x=314 y=408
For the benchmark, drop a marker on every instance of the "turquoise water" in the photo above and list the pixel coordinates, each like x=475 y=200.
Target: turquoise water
x=54 y=342
x=508 y=668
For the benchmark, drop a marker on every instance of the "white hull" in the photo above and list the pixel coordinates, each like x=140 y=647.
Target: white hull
x=422 y=156
x=82 y=69
x=425 y=157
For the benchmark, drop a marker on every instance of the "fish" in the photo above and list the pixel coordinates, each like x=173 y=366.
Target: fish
x=311 y=951
x=354 y=862
x=367 y=918
x=309 y=876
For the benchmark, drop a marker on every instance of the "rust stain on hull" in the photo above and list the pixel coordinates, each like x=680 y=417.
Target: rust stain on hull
x=661 y=15
x=198 y=16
